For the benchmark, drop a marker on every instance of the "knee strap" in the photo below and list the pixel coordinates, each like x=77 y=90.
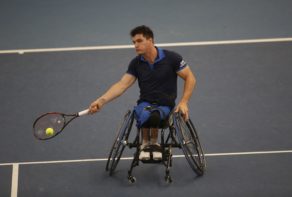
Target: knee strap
x=144 y=110
x=153 y=120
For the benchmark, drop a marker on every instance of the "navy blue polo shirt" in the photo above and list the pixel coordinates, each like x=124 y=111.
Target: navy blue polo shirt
x=158 y=81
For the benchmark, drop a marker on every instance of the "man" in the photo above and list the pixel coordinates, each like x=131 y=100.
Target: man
x=156 y=70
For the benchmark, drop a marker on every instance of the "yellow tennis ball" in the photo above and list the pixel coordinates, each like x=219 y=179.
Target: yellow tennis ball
x=50 y=131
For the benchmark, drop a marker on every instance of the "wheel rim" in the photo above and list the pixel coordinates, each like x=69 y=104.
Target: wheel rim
x=190 y=144
x=119 y=145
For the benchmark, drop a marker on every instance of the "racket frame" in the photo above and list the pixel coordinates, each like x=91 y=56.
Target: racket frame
x=67 y=119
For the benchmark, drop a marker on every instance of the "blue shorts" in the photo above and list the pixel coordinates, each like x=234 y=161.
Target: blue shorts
x=144 y=109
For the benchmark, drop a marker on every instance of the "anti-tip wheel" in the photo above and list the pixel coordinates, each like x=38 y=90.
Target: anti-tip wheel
x=168 y=179
x=132 y=179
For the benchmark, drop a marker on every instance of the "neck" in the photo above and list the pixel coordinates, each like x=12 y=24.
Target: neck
x=151 y=55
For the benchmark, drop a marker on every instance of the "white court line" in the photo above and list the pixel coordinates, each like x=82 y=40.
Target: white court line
x=129 y=158
x=111 y=47
x=14 y=182
x=15 y=170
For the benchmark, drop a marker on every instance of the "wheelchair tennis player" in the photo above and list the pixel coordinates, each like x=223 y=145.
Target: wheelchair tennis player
x=156 y=71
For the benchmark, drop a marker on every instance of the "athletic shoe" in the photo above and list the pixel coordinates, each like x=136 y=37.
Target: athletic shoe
x=144 y=155
x=157 y=155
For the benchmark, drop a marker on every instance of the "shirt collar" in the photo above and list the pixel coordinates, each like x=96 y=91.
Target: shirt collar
x=159 y=57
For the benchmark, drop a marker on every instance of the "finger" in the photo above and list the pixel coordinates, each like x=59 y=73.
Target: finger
x=186 y=116
x=92 y=109
x=97 y=109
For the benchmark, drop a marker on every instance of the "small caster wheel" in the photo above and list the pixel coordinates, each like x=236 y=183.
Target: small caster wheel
x=168 y=179
x=132 y=179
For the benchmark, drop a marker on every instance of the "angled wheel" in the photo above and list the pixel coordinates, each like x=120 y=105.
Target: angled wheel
x=120 y=142
x=190 y=144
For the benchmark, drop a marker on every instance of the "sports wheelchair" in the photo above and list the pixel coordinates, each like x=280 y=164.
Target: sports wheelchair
x=174 y=133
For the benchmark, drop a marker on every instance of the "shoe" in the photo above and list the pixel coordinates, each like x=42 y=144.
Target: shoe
x=144 y=155
x=157 y=155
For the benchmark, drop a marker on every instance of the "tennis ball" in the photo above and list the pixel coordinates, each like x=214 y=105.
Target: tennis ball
x=50 y=131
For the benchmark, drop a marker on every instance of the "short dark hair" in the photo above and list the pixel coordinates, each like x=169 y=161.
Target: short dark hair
x=146 y=31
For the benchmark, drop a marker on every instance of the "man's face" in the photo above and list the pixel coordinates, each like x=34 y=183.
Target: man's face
x=142 y=44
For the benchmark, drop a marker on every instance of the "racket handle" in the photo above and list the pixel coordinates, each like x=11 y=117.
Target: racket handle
x=84 y=112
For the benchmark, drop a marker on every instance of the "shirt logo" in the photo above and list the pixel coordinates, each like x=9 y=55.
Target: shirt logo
x=182 y=64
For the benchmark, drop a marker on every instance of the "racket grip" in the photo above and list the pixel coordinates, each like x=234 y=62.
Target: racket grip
x=84 y=112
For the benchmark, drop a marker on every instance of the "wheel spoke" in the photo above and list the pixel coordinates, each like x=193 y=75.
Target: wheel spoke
x=190 y=144
x=120 y=142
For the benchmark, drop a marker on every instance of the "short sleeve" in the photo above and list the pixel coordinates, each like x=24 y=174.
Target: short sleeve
x=132 y=68
x=178 y=62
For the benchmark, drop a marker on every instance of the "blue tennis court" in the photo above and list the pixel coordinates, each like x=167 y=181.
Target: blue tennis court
x=241 y=106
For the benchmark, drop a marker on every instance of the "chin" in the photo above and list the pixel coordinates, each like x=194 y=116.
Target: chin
x=139 y=52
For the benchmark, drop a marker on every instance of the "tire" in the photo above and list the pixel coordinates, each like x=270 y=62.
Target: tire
x=120 y=142
x=190 y=144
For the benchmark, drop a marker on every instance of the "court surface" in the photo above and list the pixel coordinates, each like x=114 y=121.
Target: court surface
x=241 y=108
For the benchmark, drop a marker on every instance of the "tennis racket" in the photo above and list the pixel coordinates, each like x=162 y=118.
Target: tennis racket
x=51 y=124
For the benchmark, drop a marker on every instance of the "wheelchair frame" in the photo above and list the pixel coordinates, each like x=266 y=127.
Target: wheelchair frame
x=180 y=134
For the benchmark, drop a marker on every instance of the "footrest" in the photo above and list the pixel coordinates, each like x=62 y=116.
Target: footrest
x=152 y=148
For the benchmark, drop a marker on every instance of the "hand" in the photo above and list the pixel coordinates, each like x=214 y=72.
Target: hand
x=184 y=109
x=95 y=106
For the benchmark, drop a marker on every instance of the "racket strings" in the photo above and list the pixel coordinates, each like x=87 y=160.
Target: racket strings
x=49 y=122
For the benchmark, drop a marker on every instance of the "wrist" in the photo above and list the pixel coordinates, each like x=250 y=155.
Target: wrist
x=101 y=100
x=185 y=102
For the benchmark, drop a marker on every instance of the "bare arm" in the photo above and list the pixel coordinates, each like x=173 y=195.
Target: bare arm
x=113 y=92
x=189 y=85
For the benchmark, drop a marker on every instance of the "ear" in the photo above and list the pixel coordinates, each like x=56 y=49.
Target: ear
x=151 y=40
